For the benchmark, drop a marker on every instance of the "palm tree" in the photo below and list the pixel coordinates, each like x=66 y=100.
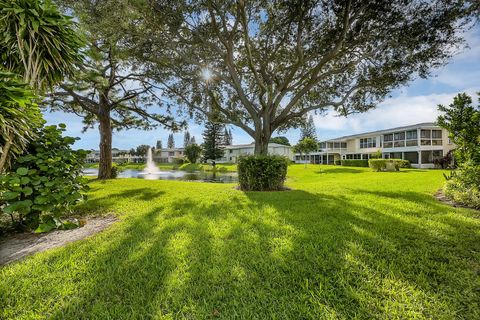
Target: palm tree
x=37 y=42
x=19 y=117
x=39 y=46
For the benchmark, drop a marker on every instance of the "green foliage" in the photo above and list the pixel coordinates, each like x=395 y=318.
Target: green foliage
x=262 y=173
x=142 y=150
x=280 y=140
x=388 y=164
x=377 y=155
x=354 y=163
x=19 y=117
x=37 y=41
x=462 y=120
x=170 y=141
x=213 y=138
x=45 y=180
x=192 y=152
x=178 y=161
x=308 y=129
x=115 y=170
x=463 y=186
x=277 y=61
x=305 y=146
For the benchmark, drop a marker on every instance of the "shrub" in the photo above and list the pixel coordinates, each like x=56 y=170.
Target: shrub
x=262 y=173
x=355 y=163
x=44 y=182
x=378 y=164
x=464 y=185
x=384 y=164
x=178 y=161
x=115 y=170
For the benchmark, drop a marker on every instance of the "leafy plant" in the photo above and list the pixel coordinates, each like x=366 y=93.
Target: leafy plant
x=19 y=117
x=262 y=173
x=37 y=41
x=464 y=185
x=45 y=182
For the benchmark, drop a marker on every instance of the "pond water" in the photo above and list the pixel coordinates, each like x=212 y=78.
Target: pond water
x=227 y=177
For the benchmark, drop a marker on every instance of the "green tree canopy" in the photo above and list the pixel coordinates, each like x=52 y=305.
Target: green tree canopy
x=280 y=140
x=193 y=152
x=108 y=88
x=306 y=146
x=462 y=120
x=308 y=129
x=272 y=62
x=213 y=141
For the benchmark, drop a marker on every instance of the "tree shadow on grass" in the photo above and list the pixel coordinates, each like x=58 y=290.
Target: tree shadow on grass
x=262 y=255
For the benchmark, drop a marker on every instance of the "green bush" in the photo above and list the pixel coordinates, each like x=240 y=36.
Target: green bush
x=115 y=170
x=262 y=173
x=355 y=163
x=44 y=182
x=178 y=161
x=464 y=186
x=383 y=164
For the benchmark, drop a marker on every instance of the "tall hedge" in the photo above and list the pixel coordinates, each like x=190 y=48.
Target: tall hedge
x=355 y=163
x=262 y=173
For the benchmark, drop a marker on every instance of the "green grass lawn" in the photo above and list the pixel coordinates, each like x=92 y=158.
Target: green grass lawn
x=344 y=243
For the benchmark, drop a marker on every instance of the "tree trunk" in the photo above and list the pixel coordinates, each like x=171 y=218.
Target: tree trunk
x=5 y=151
x=261 y=142
x=105 y=165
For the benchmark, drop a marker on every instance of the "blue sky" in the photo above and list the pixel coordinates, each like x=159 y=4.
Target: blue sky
x=412 y=104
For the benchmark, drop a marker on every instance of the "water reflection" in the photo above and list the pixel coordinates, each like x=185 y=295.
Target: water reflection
x=227 y=177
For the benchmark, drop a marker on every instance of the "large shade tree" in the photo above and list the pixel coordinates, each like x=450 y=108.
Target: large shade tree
x=108 y=89
x=269 y=63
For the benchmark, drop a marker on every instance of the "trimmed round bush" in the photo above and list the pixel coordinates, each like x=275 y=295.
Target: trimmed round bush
x=384 y=164
x=262 y=173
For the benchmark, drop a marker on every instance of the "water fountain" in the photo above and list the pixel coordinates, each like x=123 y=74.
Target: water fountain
x=150 y=167
x=151 y=171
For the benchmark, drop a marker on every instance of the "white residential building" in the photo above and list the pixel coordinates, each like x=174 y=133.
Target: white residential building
x=421 y=144
x=233 y=152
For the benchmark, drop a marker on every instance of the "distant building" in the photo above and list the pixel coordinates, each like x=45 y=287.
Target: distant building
x=119 y=156
x=233 y=152
x=168 y=155
x=421 y=144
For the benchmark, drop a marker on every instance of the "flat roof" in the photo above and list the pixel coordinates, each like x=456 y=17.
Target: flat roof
x=382 y=131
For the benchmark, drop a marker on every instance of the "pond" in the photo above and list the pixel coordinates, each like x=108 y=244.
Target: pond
x=204 y=176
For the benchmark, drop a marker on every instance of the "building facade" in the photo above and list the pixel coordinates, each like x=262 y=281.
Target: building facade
x=233 y=152
x=168 y=155
x=421 y=144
